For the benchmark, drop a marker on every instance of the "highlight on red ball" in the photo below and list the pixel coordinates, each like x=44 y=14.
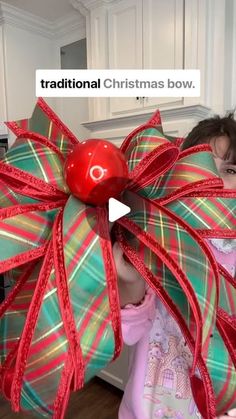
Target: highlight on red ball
x=95 y=171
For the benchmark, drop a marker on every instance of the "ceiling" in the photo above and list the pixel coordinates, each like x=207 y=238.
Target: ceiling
x=48 y=9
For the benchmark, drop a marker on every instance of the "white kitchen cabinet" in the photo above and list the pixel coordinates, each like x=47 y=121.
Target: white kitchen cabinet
x=133 y=34
x=161 y=34
x=145 y=34
x=125 y=39
x=117 y=372
x=163 y=40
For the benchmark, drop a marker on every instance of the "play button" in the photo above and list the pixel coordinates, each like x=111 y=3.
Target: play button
x=116 y=209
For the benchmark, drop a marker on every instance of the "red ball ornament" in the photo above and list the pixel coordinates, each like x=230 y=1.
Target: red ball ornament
x=95 y=171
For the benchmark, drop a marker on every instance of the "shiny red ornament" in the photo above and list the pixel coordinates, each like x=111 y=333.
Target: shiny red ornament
x=95 y=171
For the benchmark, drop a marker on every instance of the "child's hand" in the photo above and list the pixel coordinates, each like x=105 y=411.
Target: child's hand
x=130 y=283
x=230 y=414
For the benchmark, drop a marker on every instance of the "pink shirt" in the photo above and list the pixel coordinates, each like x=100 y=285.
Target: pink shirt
x=158 y=385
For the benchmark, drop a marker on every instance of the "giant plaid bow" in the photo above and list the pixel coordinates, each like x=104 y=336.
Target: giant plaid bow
x=61 y=321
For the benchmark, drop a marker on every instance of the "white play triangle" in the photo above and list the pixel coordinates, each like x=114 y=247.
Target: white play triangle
x=116 y=209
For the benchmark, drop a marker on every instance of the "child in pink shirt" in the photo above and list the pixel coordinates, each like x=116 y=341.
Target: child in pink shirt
x=159 y=385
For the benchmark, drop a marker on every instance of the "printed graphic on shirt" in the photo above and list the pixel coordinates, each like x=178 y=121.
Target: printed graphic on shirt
x=167 y=391
x=227 y=248
x=224 y=245
x=230 y=269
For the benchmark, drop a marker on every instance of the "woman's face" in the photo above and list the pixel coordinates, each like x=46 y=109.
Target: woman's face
x=226 y=168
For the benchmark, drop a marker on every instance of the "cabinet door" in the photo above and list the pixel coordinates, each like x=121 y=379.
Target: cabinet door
x=117 y=372
x=163 y=40
x=125 y=46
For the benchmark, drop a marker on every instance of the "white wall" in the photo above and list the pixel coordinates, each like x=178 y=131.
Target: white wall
x=25 y=51
x=28 y=43
x=3 y=114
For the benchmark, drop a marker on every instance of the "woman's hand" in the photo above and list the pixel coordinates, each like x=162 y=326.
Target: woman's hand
x=130 y=283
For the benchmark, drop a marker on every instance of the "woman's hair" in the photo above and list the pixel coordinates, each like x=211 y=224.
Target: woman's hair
x=214 y=127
